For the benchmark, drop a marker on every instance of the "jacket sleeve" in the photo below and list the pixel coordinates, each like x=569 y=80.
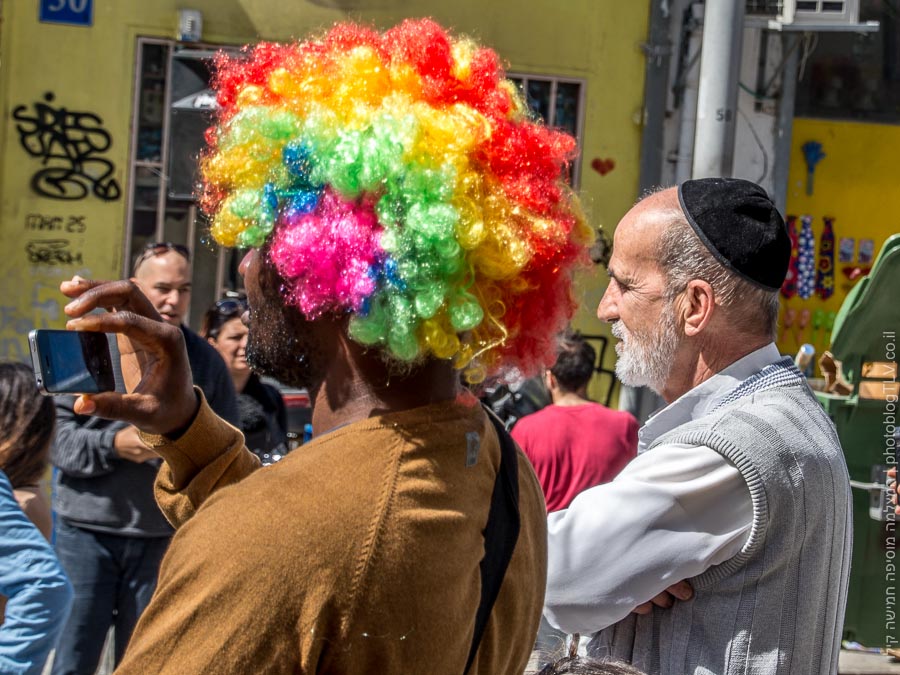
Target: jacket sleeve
x=80 y=449
x=210 y=455
x=39 y=594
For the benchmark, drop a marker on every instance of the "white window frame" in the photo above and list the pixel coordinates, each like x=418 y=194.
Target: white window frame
x=525 y=78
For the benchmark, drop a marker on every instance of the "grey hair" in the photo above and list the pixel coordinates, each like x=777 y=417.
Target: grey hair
x=684 y=257
x=574 y=664
x=583 y=665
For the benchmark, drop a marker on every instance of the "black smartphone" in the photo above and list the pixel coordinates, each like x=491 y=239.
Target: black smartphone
x=71 y=362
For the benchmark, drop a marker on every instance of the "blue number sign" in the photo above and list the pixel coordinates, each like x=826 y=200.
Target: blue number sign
x=72 y=12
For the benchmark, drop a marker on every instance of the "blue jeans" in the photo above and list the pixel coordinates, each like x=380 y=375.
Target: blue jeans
x=114 y=578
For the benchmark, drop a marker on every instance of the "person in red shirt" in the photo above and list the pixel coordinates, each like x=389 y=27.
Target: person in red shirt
x=575 y=444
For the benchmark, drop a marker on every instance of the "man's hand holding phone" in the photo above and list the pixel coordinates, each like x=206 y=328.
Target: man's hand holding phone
x=155 y=367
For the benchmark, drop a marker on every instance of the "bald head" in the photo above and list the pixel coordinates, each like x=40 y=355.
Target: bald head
x=648 y=220
x=664 y=199
x=165 y=279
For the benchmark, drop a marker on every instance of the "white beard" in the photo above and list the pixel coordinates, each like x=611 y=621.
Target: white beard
x=646 y=360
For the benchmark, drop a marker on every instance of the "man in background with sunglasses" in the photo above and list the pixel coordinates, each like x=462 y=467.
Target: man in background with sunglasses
x=110 y=534
x=163 y=272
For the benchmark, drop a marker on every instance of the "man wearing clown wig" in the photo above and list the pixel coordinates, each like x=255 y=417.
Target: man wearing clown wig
x=409 y=227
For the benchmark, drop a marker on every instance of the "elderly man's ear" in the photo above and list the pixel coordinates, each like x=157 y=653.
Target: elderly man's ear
x=697 y=304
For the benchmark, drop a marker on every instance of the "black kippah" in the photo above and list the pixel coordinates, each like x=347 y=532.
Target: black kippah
x=740 y=226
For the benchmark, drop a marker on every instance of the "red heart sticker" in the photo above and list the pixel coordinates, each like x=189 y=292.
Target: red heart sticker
x=603 y=166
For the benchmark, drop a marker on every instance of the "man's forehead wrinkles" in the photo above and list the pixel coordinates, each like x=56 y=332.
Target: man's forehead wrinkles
x=620 y=276
x=632 y=266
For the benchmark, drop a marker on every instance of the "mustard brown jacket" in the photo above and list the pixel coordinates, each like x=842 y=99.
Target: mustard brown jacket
x=357 y=553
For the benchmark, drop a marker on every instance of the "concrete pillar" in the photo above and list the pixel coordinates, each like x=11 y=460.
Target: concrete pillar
x=723 y=30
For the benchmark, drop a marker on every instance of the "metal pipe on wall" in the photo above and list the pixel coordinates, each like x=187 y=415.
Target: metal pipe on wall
x=658 y=52
x=784 y=120
x=687 y=125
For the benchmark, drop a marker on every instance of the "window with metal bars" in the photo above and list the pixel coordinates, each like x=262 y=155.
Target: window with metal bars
x=559 y=102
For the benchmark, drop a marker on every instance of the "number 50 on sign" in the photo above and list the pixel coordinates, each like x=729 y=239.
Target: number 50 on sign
x=72 y=12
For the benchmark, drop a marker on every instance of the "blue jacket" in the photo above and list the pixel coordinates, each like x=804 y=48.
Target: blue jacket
x=39 y=594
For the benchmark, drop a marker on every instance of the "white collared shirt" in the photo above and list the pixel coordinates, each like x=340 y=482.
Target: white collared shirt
x=670 y=515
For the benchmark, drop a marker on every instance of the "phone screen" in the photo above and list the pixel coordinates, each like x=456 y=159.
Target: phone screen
x=71 y=362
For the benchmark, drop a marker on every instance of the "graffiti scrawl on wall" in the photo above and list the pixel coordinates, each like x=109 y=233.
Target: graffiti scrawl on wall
x=71 y=224
x=52 y=252
x=68 y=143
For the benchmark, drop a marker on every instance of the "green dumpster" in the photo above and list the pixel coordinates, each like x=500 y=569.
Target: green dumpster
x=864 y=340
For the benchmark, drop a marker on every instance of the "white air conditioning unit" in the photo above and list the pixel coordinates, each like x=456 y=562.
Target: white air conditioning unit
x=812 y=15
x=824 y=11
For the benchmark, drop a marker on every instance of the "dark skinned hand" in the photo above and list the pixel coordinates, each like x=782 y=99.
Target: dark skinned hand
x=679 y=591
x=160 y=398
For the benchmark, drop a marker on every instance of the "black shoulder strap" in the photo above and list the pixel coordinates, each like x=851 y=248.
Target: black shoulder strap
x=500 y=534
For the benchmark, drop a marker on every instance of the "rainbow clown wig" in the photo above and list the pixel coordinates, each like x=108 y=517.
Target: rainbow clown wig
x=398 y=177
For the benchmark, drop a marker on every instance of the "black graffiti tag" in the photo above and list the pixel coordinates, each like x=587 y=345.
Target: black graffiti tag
x=52 y=252
x=68 y=143
x=72 y=224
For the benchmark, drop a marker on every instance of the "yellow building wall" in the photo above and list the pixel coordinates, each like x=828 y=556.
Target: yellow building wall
x=90 y=72
x=856 y=183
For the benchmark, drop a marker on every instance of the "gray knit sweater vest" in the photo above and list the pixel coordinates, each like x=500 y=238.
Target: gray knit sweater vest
x=778 y=606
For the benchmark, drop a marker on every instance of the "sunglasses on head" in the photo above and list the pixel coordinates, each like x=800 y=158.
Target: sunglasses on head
x=155 y=248
x=221 y=313
x=230 y=306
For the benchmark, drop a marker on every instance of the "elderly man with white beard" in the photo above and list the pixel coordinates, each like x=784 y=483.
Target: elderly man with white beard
x=724 y=546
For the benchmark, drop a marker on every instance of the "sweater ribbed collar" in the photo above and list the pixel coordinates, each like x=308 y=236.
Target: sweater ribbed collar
x=706 y=396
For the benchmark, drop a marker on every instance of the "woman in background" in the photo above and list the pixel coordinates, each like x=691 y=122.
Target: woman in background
x=262 y=411
x=35 y=595
x=27 y=423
